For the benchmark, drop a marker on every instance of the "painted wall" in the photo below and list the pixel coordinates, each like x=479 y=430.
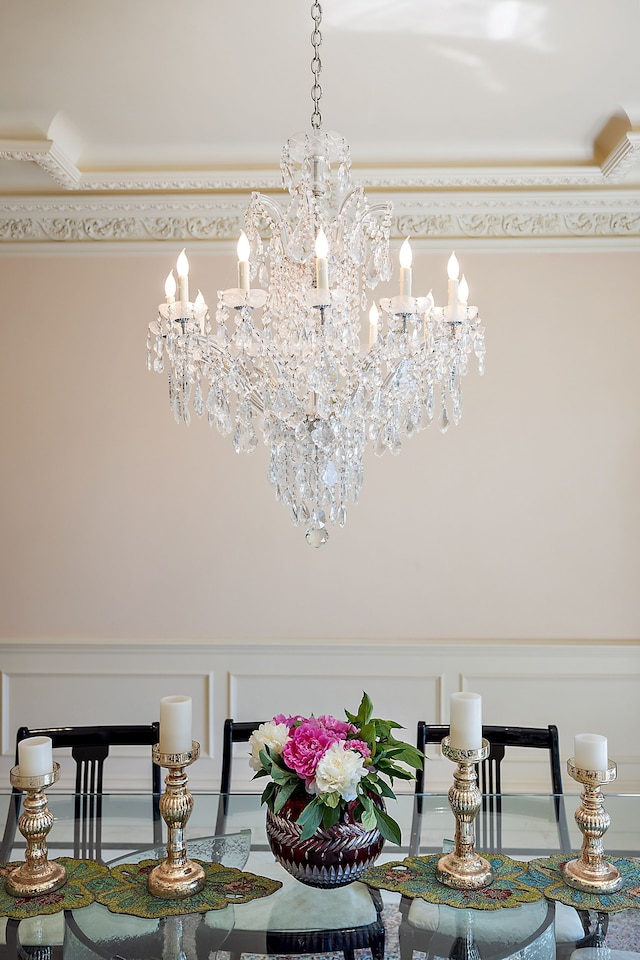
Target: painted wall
x=521 y=525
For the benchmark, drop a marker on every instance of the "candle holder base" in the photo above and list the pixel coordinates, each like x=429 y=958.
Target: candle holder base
x=469 y=873
x=605 y=879
x=173 y=882
x=29 y=882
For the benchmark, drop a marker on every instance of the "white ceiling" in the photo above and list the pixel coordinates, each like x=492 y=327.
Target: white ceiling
x=154 y=97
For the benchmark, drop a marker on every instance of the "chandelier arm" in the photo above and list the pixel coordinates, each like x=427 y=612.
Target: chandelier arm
x=277 y=219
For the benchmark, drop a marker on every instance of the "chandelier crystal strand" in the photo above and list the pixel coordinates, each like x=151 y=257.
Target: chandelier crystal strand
x=291 y=361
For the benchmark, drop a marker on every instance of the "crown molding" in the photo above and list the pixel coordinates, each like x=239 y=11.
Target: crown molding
x=564 y=218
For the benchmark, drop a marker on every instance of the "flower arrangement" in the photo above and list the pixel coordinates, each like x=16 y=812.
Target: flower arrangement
x=331 y=765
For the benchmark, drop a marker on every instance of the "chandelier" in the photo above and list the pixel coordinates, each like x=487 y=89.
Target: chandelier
x=287 y=356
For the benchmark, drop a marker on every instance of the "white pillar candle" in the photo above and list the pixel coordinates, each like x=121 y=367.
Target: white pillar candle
x=182 y=266
x=322 y=265
x=175 y=724
x=406 y=259
x=590 y=751
x=244 y=251
x=465 y=721
x=35 y=758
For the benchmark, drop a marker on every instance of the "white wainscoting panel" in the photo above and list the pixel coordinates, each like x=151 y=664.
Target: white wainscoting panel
x=579 y=687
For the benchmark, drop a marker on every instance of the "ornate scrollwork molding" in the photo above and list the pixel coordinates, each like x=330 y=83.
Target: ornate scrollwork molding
x=566 y=218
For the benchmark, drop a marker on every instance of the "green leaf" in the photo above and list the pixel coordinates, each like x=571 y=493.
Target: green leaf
x=331 y=799
x=283 y=795
x=310 y=819
x=330 y=816
x=268 y=794
x=387 y=826
x=386 y=790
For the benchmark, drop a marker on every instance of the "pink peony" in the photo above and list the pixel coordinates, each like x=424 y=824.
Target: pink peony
x=360 y=746
x=280 y=718
x=339 y=727
x=306 y=746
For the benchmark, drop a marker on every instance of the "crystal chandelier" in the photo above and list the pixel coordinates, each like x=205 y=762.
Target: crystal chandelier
x=287 y=356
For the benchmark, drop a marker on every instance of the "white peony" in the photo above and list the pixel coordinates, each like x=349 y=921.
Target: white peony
x=340 y=771
x=270 y=734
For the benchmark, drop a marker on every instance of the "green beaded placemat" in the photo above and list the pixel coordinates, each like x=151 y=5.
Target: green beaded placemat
x=546 y=874
x=124 y=890
x=416 y=877
x=74 y=894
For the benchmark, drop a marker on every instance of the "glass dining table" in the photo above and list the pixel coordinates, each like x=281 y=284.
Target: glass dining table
x=295 y=919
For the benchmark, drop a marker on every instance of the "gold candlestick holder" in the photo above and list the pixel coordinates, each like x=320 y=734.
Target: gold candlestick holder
x=464 y=869
x=37 y=875
x=176 y=876
x=591 y=872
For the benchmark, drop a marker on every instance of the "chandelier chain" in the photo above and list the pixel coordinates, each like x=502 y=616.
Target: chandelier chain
x=316 y=65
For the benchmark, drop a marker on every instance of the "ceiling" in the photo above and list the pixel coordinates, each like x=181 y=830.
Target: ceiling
x=481 y=117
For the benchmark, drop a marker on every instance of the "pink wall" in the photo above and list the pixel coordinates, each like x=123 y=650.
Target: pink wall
x=521 y=523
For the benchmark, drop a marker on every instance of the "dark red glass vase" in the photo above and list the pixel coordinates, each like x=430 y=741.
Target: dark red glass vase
x=330 y=858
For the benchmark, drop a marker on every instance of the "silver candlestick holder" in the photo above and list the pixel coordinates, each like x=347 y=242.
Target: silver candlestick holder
x=464 y=869
x=176 y=876
x=37 y=875
x=591 y=872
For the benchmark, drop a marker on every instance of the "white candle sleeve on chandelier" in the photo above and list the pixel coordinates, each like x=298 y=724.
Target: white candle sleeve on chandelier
x=35 y=758
x=406 y=259
x=465 y=720
x=374 y=319
x=244 y=251
x=182 y=267
x=175 y=724
x=590 y=751
x=322 y=265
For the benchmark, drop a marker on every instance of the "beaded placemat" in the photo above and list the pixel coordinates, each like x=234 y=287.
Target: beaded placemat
x=416 y=877
x=74 y=894
x=546 y=874
x=124 y=890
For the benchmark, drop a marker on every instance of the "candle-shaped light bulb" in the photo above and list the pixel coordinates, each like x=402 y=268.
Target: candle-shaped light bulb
x=322 y=265
x=243 y=250
x=453 y=271
x=199 y=301
x=182 y=266
x=463 y=291
x=406 y=259
x=453 y=267
x=170 y=288
x=374 y=317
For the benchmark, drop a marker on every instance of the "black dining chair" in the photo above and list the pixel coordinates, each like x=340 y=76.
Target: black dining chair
x=417 y=932
x=489 y=820
x=90 y=748
x=294 y=923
